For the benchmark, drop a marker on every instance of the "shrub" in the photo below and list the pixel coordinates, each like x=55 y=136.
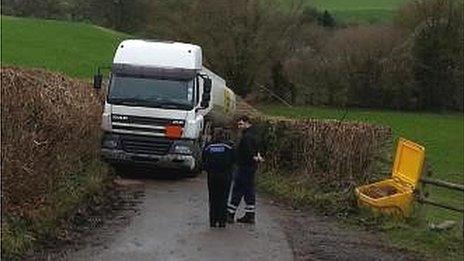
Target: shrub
x=334 y=156
x=50 y=129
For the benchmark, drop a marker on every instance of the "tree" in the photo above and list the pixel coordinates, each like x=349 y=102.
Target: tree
x=437 y=54
x=280 y=85
x=326 y=19
x=241 y=39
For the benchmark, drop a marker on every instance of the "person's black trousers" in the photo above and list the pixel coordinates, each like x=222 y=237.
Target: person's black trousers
x=218 y=190
x=244 y=187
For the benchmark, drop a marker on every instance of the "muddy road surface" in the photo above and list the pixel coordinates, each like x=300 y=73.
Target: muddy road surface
x=172 y=224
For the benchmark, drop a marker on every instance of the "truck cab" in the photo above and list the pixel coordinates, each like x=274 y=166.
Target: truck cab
x=160 y=103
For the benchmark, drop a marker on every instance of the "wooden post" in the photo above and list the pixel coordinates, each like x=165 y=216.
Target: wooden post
x=422 y=197
x=444 y=184
x=422 y=193
x=433 y=203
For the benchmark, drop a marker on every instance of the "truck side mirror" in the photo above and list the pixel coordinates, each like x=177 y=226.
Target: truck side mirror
x=97 y=81
x=207 y=85
x=206 y=97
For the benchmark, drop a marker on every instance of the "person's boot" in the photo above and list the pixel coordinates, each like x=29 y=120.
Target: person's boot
x=230 y=217
x=248 y=218
x=222 y=224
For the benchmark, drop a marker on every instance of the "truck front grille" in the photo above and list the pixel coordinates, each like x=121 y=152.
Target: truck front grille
x=139 y=129
x=141 y=125
x=141 y=120
x=145 y=145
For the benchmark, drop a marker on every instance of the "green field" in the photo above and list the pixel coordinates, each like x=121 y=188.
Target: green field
x=364 y=11
x=75 y=49
x=370 y=11
x=441 y=134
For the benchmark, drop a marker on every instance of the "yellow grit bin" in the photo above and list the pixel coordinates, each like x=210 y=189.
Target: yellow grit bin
x=395 y=195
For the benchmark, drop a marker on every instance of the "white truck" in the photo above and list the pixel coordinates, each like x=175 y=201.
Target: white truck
x=160 y=106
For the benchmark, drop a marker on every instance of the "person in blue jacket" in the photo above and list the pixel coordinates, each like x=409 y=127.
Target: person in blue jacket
x=218 y=161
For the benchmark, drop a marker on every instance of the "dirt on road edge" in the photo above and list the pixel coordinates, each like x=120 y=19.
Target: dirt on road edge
x=92 y=222
x=313 y=236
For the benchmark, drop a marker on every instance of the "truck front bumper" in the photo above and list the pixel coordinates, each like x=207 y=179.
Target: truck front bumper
x=171 y=161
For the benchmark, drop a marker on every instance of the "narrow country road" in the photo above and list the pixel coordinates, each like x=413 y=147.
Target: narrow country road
x=172 y=225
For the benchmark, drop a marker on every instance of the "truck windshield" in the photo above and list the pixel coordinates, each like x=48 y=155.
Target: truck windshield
x=150 y=92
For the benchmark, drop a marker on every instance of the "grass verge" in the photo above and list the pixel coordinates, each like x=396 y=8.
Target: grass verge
x=412 y=235
x=49 y=222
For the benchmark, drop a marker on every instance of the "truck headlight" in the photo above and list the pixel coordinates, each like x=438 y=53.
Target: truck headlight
x=110 y=141
x=106 y=122
x=182 y=149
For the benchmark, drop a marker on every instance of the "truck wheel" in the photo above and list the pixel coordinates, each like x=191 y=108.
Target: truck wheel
x=120 y=171
x=193 y=173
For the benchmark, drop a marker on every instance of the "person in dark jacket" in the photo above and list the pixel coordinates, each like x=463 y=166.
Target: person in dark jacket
x=218 y=161
x=248 y=157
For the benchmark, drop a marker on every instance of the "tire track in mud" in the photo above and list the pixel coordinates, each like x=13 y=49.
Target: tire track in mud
x=316 y=237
